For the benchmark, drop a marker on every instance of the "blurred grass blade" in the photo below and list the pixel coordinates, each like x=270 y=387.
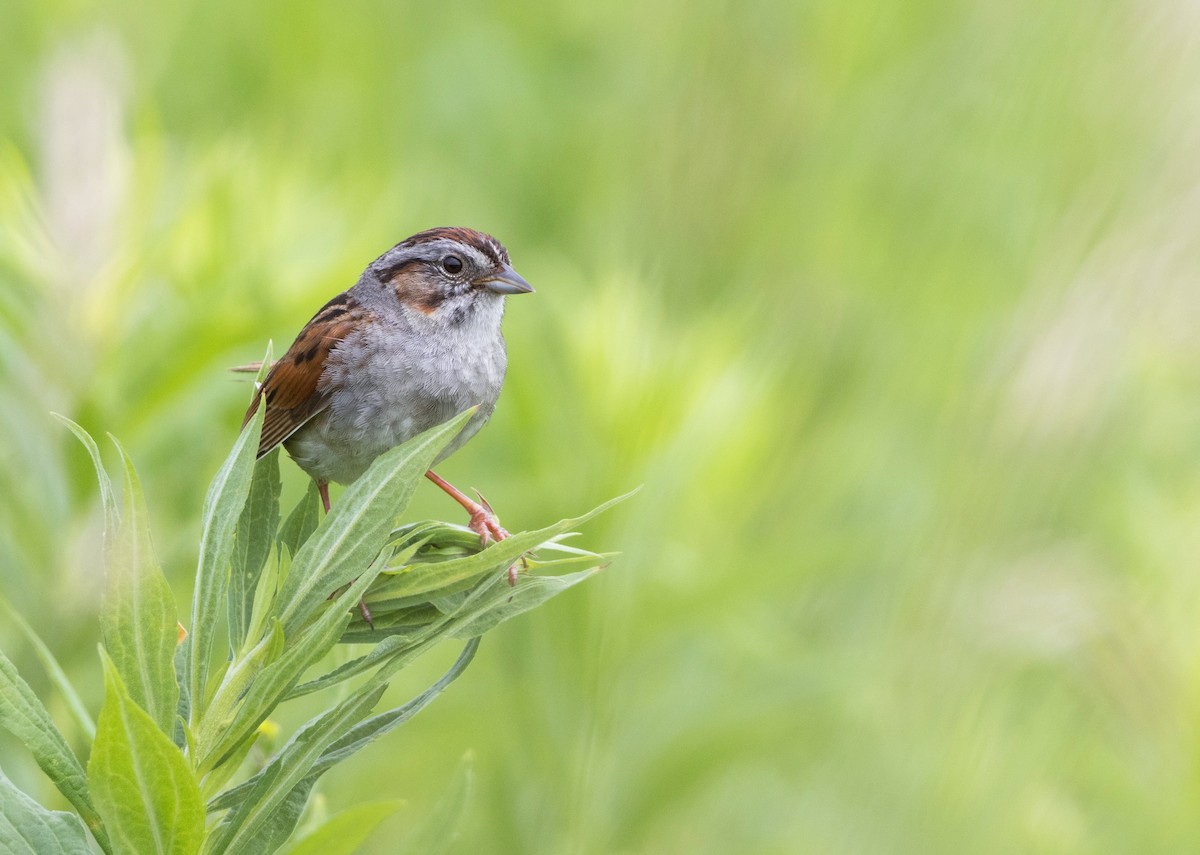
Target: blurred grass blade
x=237 y=832
x=140 y=780
x=345 y=832
x=368 y=731
x=138 y=619
x=27 y=828
x=22 y=715
x=358 y=526
x=222 y=508
x=253 y=538
x=441 y=829
x=53 y=670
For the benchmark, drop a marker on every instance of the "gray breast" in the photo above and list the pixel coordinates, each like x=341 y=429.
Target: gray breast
x=391 y=381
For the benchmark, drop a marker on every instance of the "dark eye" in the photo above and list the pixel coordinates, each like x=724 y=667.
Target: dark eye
x=452 y=264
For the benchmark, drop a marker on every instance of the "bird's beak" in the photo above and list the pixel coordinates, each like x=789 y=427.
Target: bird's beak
x=507 y=281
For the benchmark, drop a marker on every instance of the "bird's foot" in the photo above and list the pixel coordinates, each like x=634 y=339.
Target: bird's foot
x=485 y=524
x=483 y=518
x=366 y=613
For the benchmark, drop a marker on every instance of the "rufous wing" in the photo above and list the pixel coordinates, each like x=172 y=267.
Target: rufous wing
x=292 y=390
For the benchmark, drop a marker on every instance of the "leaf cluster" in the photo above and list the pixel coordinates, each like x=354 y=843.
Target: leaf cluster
x=170 y=768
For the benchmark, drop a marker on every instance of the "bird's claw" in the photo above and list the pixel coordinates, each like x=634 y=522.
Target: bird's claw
x=485 y=524
x=487 y=506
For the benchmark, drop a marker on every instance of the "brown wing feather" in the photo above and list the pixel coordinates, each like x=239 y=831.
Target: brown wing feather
x=290 y=389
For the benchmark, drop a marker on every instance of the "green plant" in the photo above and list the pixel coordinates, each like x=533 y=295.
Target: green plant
x=169 y=768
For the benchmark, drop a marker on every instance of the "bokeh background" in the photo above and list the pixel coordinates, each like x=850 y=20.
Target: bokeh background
x=890 y=306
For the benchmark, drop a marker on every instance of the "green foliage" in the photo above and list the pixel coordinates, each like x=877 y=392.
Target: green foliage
x=167 y=785
x=27 y=828
x=147 y=796
x=23 y=715
x=891 y=304
x=138 y=620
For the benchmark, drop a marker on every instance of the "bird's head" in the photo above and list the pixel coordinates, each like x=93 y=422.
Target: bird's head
x=448 y=274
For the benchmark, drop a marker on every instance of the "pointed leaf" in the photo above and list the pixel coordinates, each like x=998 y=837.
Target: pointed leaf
x=501 y=605
x=53 y=670
x=108 y=498
x=358 y=526
x=302 y=521
x=365 y=732
x=140 y=780
x=253 y=537
x=275 y=828
x=137 y=616
x=23 y=715
x=455 y=573
x=238 y=831
x=27 y=828
x=222 y=508
x=235 y=714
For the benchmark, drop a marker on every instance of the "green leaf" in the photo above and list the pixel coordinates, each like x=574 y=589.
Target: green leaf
x=487 y=605
x=358 y=526
x=343 y=833
x=23 y=715
x=108 y=498
x=264 y=367
x=222 y=508
x=456 y=573
x=239 y=831
x=252 y=542
x=140 y=780
x=365 y=732
x=137 y=616
x=264 y=598
x=27 y=828
x=237 y=712
x=302 y=521
x=274 y=830
x=439 y=832
x=504 y=602
x=387 y=650
x=53 y=670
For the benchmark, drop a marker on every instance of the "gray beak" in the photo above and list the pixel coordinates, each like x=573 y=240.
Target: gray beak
x=508 y=281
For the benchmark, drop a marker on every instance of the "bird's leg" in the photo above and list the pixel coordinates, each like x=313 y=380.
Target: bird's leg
x=483 y=519
x=323 y=489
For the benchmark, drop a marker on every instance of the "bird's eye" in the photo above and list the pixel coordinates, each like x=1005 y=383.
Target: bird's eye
x=452 y=264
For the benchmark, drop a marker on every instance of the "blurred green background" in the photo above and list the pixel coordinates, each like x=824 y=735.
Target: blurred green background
x=891 y=307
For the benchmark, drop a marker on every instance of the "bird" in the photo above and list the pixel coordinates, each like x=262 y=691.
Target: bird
x=415 y=341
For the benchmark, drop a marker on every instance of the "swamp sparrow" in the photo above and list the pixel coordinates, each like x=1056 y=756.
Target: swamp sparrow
x=413 y=343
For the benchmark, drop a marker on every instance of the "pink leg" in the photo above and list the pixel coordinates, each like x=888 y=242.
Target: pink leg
x=323 y=489
x=483 y=518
